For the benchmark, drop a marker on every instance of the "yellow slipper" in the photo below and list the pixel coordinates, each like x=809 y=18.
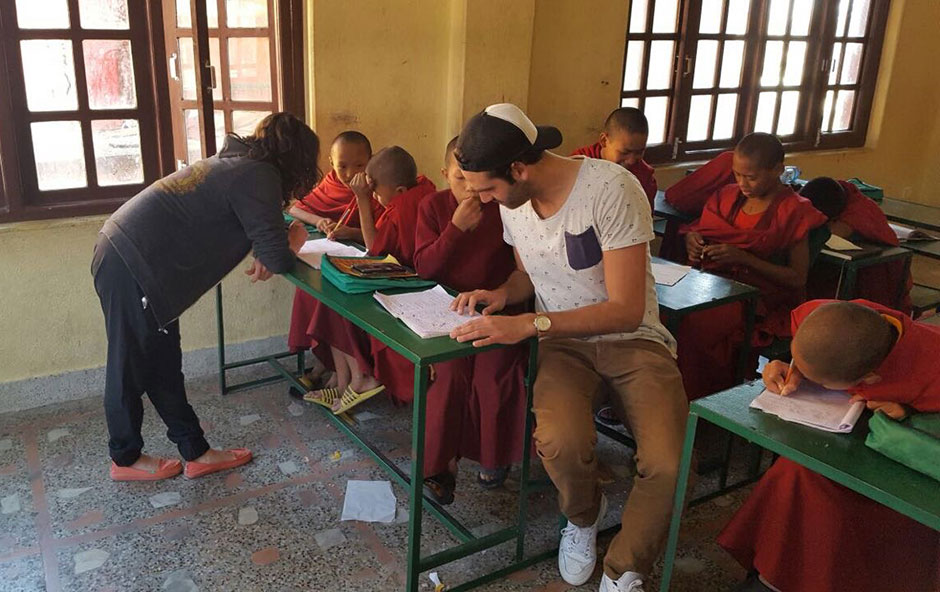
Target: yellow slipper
x=324 y=397
x=351 y=398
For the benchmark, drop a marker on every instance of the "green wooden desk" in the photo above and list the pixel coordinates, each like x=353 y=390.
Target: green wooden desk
x=844 y=458
x=664 y=209
x=926 y=248
x=849 y=268
x=913 y=214
x=363 y=311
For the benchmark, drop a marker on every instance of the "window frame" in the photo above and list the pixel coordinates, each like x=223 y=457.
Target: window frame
x=807 y=128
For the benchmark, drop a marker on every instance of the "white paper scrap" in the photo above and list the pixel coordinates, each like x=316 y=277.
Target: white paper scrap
x=669 y=274
x=314 y=250
x=369 y=501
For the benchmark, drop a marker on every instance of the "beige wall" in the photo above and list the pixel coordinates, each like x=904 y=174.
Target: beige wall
x=409 y=72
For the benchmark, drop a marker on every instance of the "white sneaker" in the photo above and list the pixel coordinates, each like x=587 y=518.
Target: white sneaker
x=577 y=553
x=630 y=581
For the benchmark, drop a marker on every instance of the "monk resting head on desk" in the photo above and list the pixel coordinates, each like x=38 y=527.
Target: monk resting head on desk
x=846 y=346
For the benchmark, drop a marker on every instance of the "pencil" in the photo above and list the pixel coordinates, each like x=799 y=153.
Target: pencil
x=344 y=219
x=786 y=379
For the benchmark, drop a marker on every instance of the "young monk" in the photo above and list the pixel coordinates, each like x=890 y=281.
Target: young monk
x=754 y=231
x=391 y=177
x=853 y=216
x=323 y=207
x=481 y=414
x=623 y=141
x=804 y=533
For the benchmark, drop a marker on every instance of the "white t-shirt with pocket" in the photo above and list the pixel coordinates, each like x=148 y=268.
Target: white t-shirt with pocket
x=606 y=210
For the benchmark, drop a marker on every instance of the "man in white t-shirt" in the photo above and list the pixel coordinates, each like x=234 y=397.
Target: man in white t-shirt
x=581 y=228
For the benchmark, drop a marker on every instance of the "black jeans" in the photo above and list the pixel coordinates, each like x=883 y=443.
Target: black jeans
x=141 y=358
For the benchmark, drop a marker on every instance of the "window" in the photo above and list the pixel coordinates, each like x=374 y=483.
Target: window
x=707 y=72
x=88 y=117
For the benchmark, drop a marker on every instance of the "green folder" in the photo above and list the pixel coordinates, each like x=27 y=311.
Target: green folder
x=914 y=441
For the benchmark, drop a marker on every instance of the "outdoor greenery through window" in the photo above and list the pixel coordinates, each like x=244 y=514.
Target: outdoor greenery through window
x=707 y=72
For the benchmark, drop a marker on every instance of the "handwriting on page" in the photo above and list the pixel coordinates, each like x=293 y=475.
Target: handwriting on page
x=427 y=313
x=813 y=406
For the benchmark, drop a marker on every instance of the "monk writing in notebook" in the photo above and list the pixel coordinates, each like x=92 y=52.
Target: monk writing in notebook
x=802 y=532
x=755 y=231
x=481 y=415
x=854 y=216
x=623 y=141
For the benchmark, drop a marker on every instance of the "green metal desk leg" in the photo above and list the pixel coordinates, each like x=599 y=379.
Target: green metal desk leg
x=221 y=328
x=678 y=504
x=521 y=518
x=417 y=478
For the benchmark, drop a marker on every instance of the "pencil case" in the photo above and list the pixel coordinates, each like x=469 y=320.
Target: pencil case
x=914 y=441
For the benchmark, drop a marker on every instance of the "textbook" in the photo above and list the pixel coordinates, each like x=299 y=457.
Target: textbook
x=427 y=313
x=312 y=251
x=906 y=234
x=814 y=406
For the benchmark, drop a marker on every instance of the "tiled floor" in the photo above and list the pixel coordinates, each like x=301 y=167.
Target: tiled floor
x=273 y=524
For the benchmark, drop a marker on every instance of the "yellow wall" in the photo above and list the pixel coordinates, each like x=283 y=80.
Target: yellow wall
x=410 y=72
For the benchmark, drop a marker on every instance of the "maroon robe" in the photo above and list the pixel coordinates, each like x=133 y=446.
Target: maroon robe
x=644 y=173
x=709 y=341
x=690 y=193
x=805 y=533
x=476 y=406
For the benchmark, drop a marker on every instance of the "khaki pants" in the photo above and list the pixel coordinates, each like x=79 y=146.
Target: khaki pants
x=646 y=390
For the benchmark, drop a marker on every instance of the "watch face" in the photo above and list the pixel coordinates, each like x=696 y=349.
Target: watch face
x=543 y=323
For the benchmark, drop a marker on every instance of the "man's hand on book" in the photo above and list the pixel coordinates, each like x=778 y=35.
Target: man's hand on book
x=492 y=330
x=466 y=302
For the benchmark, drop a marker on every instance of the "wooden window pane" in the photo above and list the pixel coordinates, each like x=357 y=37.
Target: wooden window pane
x=851 y=63
x=244 y=122
x=246 y=13
x=843 y=17
x=766 y=103
x=664 y=16
x=834 y=66
x=842 y=119
x=796 y=58
x=725 y=114
x=778 y=16
x=737 y=17
x=42 y=14
x=109 y=73
x=801 y=17
x=660 y=67
x=188 y=67
x=219 y=121
x=215 y=58
x=59 y=154
x=118 y=159
x=103 y=14
x=634 y=65
x=710 y=22
x=859 y=19
x=789 y=103
x=773 y=53
x=827 y=111
x=193 y=141
x=631 y=102
x=655 y=111
x=250 y=68
x=706 y=58
x=184 y=17
x=700 y=109
x=638 y=16
x=731 y=61
x=49 y=74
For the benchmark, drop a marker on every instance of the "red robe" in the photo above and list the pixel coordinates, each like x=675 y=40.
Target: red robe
x=330 y=198
x=644 y=173
x=691 y=192
x=709 y=341
x=879 y=283
x=395 y=235
x=476 y=406
x=805 y=533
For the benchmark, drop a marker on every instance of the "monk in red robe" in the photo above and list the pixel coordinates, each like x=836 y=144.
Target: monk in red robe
x=481 y=414
x=391 y=177
x=690 y=193
x=624 y=141
x=804 y=533
x=754 y=231
x=853 y=216
x=323 y=208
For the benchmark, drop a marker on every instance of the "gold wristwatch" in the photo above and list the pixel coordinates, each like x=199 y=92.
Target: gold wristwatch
x=542 y=323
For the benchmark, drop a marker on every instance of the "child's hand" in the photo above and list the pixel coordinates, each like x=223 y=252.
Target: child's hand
x=694 y=244
x=775 y=377
x=362 y=186
x=889 y=408
x=325 y=225
x=345 y=233
x=468 y=215
x=296 y=235
x=724 y=254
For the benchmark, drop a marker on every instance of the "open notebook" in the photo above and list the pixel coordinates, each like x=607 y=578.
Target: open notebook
x=427 y=313
x=314 y=250
x=814 y=406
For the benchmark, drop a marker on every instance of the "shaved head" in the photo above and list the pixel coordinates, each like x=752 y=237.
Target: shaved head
x=764 y=150
x=842 y=342
x=826 y=195
x=449 y=151
x=353 y=137
x=627 y=119
x=393 y=167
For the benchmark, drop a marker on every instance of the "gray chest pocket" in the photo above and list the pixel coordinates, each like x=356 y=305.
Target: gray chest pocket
x=583 y=249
